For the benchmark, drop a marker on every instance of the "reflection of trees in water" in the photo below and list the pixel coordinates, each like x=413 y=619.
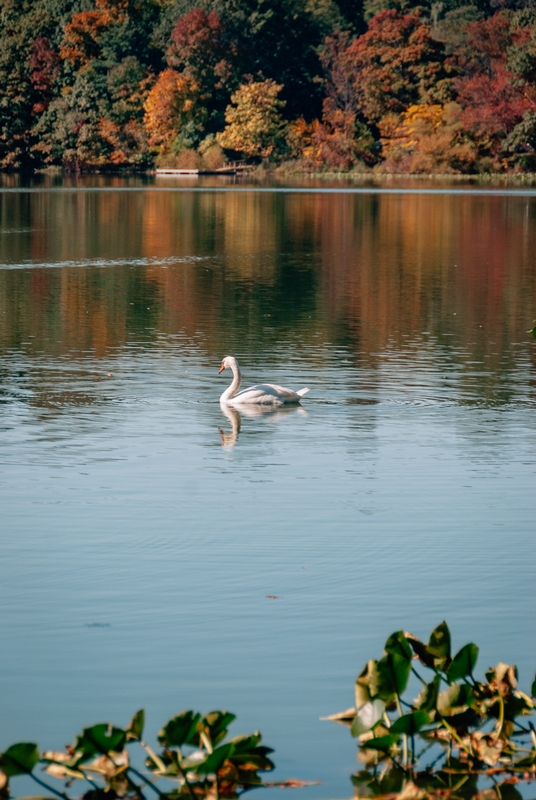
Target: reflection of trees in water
x=367 y=273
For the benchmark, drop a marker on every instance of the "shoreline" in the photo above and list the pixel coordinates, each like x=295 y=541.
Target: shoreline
x=279 y=172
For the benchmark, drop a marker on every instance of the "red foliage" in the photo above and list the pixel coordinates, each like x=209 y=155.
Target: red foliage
x=488 y=40
x=199 y=48
x=197 y=34
x=45 y=66
x=396 y=62
x=342 y=75
x=493 y=100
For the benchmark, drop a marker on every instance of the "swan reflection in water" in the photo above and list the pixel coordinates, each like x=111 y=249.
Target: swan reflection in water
x=228 y=438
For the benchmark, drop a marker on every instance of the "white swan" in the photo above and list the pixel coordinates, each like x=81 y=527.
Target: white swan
x=263 y=393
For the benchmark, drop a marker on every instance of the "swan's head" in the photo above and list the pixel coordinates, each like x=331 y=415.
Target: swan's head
x=229 y=362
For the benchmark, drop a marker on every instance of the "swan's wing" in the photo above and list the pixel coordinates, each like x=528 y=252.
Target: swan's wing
x=266 y=393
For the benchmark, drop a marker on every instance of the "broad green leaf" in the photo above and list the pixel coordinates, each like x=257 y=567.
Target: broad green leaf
x=383 y=743
x=368 y=716
x=533 y=329
x=246 y=742
x=533 y=687
x=216 y=759
x=181 y=729
x=439 y=643
x=216 y=725
x=398 y=645
x=248 y=752
x=393 y=673
x=410 y=723
x=99 y=739
x=463 y=662
x=135 y=727
x=427 y=699
x=19 y=759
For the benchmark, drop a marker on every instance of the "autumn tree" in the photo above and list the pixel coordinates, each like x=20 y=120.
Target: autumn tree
x=25 y=26
x=494 y=99
x=204 y=55
x=174 y=114
x=427 y=138
x=395 y=64
x=254 y=123
x=341 y=139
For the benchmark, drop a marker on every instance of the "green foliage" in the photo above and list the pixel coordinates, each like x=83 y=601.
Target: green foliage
x=472 y=725
x=99 y=757
x=357 y=78
x=19 y=759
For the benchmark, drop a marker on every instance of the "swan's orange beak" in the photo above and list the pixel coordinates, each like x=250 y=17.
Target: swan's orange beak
x=221 y=369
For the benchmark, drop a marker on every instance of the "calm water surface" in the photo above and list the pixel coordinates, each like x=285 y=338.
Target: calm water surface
x=142 y=528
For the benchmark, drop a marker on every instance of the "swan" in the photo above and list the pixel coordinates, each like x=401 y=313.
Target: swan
x=263 y=393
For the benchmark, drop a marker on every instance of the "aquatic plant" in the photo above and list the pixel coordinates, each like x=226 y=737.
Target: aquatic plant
x=456 y=730
x=195 y=756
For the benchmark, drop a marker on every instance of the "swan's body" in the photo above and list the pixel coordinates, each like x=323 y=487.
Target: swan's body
x=263 y=393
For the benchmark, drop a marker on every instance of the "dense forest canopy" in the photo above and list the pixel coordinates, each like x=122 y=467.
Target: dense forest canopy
x=443 y=86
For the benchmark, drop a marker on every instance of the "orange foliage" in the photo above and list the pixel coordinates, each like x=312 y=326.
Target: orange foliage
x=172 y=101
x=396 y=62
x=125 y=140
x=338 y=142
x=81 y=37
x=426 y=138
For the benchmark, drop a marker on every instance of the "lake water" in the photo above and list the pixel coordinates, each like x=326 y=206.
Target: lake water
x=142 y=529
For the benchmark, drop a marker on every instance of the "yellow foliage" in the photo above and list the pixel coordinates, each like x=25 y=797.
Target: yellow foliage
x=425 y=138
x=254 y=122
x=172 y=101
x=300 y=138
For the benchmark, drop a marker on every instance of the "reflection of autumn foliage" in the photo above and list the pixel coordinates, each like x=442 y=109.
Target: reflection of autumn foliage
x=383 y=271
x=426 y=138
x=254 y=121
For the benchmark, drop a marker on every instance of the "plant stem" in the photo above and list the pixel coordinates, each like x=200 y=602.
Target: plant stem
x=46 y=786
x=186 y=781
x=455 y=736
x=146 y=782
x=404 y=736
x=158 y=761
x=418 y=676
x=500 y=721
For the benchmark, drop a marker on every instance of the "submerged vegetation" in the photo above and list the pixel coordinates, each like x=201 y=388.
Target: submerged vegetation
x=457 y=730
x=195 y=755
x=407 y=86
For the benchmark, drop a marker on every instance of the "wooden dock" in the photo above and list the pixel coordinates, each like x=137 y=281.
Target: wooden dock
x=231 y=169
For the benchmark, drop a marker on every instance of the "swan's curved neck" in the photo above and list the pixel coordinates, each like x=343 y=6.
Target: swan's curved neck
x=235 y=385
